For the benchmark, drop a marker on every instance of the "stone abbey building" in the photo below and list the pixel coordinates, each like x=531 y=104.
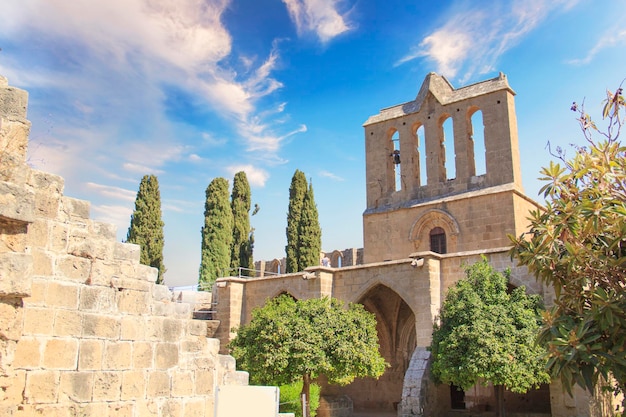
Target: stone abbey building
x=85 y=331
x=444 y=188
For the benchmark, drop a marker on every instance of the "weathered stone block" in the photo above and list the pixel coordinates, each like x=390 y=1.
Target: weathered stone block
x=41 y=387
x=130 y=284
x=101 y=326
x=133 y=328
x=76 y=386
x=117 y=355
x=67 y=323
x=93 y=409
x=193 y=344
x=161 y=293
x=107 y=386
x=195 y=407
x=143 y=355
x=166 y=355
x=13 y=101
x=122 y=409
x=147 y=408
x=133 y=385
x=60 y=354
x=160 y=308
x=196 y=327
x=85 y=244
x=73 y=268
x=38 y=232
x=97 y=298
x=75 y=210
x=158 y=384
x=28 y=353
x=102 y=272
x=147 y=273
x=46 y=204
x=172 y=330
x=182 y=384
x=16 y=270
x=127 y=252
x=133 y=302
x=11 y=318
x=236 y=378
x=47 y=410
x=154 y=328
x=11 y=389
x=204 y=381
x=38 y=321
x=16 y=203
x=62 y=294
x=43 y=262
x=59 y=237
x=213 y=346
x=90 y=355
x=172 y=407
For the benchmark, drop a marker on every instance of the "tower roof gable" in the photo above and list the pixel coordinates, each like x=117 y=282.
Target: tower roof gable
x=443 y=92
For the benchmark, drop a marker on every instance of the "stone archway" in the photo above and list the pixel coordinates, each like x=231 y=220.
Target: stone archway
x=397 y=338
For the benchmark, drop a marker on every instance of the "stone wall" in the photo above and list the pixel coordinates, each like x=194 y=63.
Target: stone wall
x=84 y=329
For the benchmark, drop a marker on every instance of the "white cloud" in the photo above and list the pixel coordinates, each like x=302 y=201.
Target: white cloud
x=330 y=175
x=256 y=176
x=141 y=169
x=123 y=55
x=610 y=38
x=472 y=40
x=195 y=158
x=261 y=140
x=319 y=16
x=116 y=193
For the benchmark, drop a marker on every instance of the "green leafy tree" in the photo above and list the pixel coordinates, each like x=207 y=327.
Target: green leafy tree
x=241 y=253
x=217 y=233
x=297 y=191
x=487 y=335
x=309 y=232
x=289 y=340
x=577 y=245
x=146 y=225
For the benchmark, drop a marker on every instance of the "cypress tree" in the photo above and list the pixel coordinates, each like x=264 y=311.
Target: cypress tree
x=146 y=225
x=241 y=252
x=297 y=190
x=309 y=232
x=217 y=233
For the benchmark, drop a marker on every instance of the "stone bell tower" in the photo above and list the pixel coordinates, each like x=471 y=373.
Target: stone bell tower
x=419 y=201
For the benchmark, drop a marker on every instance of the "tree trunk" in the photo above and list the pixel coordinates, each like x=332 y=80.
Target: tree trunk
x=499 y=392
x=306 y=390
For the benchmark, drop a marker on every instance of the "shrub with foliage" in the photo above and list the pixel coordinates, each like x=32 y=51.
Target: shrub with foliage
x=487 y=335
x=577 y=245
x=288 y=340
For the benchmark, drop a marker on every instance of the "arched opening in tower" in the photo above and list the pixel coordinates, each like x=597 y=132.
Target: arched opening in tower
x=397 y=339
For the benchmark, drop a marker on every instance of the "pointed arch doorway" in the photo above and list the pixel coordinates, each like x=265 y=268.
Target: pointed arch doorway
x=397 y=338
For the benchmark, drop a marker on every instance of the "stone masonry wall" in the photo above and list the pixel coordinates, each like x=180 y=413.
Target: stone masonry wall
x=84 y=329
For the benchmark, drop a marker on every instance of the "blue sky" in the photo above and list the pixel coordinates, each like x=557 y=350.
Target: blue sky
x=190 y=90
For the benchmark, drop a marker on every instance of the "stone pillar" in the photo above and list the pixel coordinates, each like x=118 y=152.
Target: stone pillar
x=229 y=299
x=417 y=375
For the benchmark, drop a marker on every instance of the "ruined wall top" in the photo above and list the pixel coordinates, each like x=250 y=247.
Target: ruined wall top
x=444 y=92
x=13 y=101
